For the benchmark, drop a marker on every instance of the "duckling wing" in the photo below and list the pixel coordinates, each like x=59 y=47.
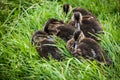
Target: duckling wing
x=49 y=48
x=91 y=28
x=82 y=11
x=85 y=49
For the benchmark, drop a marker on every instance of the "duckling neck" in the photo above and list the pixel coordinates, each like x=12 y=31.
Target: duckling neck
x=78 y=25
x=75 y=45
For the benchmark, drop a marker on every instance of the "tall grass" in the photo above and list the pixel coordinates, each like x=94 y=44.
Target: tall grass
x=19 y=59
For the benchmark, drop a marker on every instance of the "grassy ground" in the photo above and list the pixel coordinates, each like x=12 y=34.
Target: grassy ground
x=19 y=59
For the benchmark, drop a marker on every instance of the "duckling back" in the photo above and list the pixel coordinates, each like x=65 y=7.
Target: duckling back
x=45 y=45
x=48 y=48
x=90 y=49
x=91 y=27
x=65 y=32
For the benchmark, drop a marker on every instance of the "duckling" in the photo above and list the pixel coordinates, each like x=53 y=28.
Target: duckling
x=60 y=29
x=80 y=46
x=84 y=12
x=51 y=25
x=88 y=24
x=44 y=45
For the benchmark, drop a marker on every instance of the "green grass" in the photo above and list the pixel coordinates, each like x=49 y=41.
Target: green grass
x=19 y=59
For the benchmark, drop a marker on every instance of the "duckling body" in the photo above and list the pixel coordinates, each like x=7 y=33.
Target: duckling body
x=65 y=32
x=89 y=25
x=44 y=45
x=84 y=12
x=90 y=50
x=87 y=48
x=59 y=28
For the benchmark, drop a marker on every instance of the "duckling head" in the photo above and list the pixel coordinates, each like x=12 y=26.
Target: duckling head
x=78 y=36
x=77 y=17
x=37 y=37
x=51 y=23
x=66 y=8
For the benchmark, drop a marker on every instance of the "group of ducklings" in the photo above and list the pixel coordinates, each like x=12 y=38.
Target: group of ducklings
x=79 y=33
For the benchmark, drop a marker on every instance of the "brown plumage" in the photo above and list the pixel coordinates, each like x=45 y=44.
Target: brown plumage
x=73 y=42
x=88 y=24
x=84 y=12
x=80 y=46
x=51 y=26
x=44 y=45
x=65 y=32
x=60 y=29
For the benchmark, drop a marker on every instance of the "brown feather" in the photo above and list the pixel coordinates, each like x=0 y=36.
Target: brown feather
x=44 y=45
x=87 y=48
